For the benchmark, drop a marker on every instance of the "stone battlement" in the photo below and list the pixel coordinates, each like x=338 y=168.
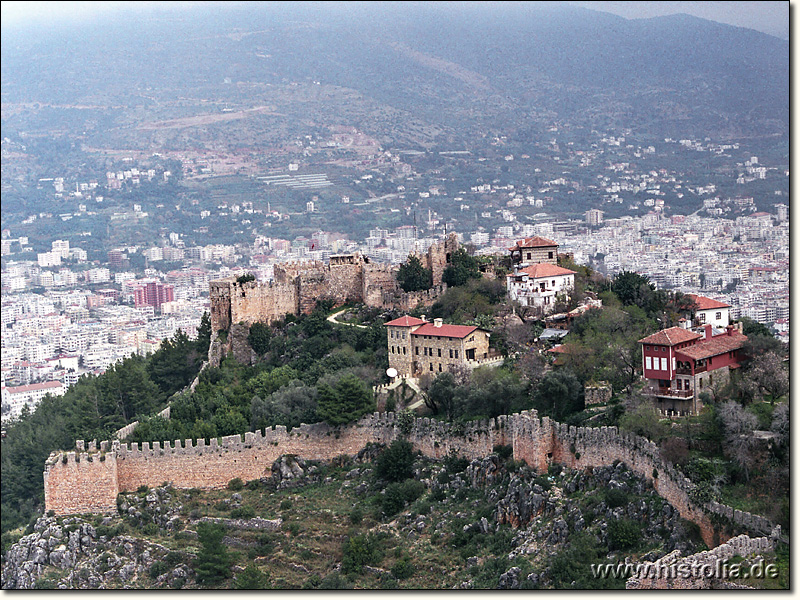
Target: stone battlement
x=298 y=285
x=697 y=571
x=119 y=467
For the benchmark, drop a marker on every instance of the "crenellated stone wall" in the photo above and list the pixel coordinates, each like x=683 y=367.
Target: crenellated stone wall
x=539 y=442
x=698 y=571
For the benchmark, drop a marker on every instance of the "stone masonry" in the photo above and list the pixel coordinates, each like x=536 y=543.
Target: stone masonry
x=90 y=481
x=298 y=286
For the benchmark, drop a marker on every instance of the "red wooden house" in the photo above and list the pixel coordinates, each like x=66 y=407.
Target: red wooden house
x=678 y=364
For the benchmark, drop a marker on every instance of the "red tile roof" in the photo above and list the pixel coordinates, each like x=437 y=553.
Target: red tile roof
x=704 y=303
x=719 y=344
x=451 y=331
x=405 y=321
x=534 y=242
x=545 y=270
x=671 y=337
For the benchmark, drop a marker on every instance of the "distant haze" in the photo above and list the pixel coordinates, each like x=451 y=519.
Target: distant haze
x=767 y=16
x=770 y=17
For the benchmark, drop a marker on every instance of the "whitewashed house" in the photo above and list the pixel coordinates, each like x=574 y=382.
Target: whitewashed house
x=540 y=285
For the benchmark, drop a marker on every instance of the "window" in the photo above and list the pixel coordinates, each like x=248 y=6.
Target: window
x=440 y=367
x=701 y=317
x=549 y=255
x=647 y=363
x=678 y=384
x=451 y=353
x=529 y=255
x=553 y=283
x=700 y=383
x=718 y=316
x=456 y=353
x=663 y=364
x=440 y=354
x=392 y=349
x=417 y=348
x=391 y=334
x=404 y=349
x=431 y=367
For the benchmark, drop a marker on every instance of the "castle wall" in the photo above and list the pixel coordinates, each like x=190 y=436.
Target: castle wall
x=220 y=296
x=583 y=447
x=80 y=482
x=378 y=280
x=76 y=484
x=666 y=573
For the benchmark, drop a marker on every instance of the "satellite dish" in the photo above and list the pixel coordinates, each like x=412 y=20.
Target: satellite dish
x=391 y=372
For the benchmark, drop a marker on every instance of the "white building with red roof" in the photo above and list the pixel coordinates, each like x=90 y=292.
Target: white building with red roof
x=709 y=311
x=540 y=285
x=417 y=346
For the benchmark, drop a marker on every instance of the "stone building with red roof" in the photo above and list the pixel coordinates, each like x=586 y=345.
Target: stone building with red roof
x=534 y=250
x=417 y=346
x=679 y=364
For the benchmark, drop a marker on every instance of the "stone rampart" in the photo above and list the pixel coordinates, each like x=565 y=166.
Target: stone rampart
x=539 y=442
x=81 y=482
x=583 y=447
x=699 y=571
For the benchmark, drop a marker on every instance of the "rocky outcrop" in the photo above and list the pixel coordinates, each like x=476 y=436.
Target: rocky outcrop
x=83 y=559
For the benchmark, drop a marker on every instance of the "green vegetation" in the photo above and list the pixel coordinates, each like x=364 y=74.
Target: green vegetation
x=461 y=269
x=213 y=563
x=412 y=276
x=93 y=408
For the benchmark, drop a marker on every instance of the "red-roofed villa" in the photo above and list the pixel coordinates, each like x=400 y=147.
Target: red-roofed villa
x=679 y=364
x=417 y=346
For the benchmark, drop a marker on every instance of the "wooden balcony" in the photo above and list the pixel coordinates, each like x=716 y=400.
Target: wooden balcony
x=669 y=392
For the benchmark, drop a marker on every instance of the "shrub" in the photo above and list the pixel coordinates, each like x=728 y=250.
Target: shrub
x=252 y=578
x=243 y=512
x=293 y=528
x=399 y=494
x=403 y=568
x=356 y=515
x=286 y=504
x=395 y=463
x=358 y=551
x=455 y=464
x=235 y=484
x=623 y=534
x=615 y=498
x=334 y=581
x=503 y=452
x=157 y=569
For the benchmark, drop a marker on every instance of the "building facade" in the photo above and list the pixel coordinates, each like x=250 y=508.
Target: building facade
x=417 y=346
x=14 y=399
x=707 y=311
x=534 y=250
x=679 y=364
x=540 y=285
